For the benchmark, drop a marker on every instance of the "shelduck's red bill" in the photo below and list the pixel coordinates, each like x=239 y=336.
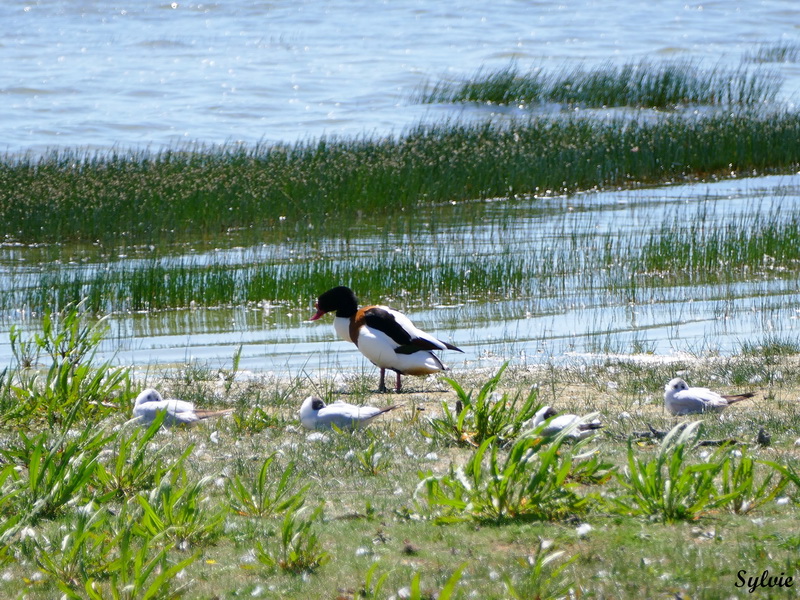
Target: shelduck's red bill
x=320 y=313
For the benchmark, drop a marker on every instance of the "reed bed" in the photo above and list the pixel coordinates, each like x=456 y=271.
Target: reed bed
x=640 y=85
x=302 y=190
x=779 y=52
x=696 y=250
x=494 y=261
x=167 y=284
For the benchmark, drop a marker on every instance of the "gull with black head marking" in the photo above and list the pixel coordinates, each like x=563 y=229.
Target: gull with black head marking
x=149 y=404
x=559 y=423
x=680 y=399
x=315 y=414
x=385 y=336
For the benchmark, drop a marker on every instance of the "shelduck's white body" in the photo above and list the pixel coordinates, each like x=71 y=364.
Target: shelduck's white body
x=385 y=336
x=380 y=348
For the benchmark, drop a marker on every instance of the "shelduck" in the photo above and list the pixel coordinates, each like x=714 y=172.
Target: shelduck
x=385 y=336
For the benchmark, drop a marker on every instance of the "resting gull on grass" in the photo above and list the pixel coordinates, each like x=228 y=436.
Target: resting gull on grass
x=150 y=403
x=559 y=423
x=680 y=399
x=315 y=414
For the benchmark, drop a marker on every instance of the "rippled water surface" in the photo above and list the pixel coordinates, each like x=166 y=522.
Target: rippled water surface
x=121 y=74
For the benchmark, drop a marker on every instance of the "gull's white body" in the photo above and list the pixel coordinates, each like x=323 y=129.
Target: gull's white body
x=562 y=422
x=680 y=399
x=315 y=414
x=150 y=403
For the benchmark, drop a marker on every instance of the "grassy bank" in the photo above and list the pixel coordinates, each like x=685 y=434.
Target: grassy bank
x=275 y=192
x=253 y=505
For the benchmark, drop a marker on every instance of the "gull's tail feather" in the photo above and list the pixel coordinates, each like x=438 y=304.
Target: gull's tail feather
x=589 y=426
x=738 y=397
x=207 y=414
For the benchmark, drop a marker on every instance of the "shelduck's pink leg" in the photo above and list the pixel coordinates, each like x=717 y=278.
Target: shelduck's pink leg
x=382 y=386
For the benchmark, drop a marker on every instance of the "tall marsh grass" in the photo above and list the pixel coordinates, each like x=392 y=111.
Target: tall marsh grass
x=778 y=52
x=633 y=85
x=177 y=284
x=297 y=191
x=495 y=260
x=758 y=243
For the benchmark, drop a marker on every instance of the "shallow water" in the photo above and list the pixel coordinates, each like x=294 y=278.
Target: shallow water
x=568 y=311
x=555 y=320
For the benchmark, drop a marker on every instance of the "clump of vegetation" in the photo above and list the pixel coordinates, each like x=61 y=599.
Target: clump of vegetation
x=71 y=386
x=265 y=496
x=543 y=576
x=746 y=486
x=56 y=470
x=641 y=84
x=535 y=479
x=138 y=463
x=299 y=549
x=178 y=510
x=779 y=52
x=486 y=415
x=790 y=473
x=99 y=559
x=672 y=488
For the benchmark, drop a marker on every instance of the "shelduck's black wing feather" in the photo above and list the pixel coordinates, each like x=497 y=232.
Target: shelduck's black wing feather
x=382 y=320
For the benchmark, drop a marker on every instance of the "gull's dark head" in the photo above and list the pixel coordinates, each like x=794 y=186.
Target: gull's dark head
x=148 y=395
x=549 y=413
x=676 y=385
x=544 y=413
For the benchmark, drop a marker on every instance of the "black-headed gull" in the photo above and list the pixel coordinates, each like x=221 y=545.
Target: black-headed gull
x=680 y=399
x=561 y=422
x=315 y=414
x=149 y=403
x=385 y=336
